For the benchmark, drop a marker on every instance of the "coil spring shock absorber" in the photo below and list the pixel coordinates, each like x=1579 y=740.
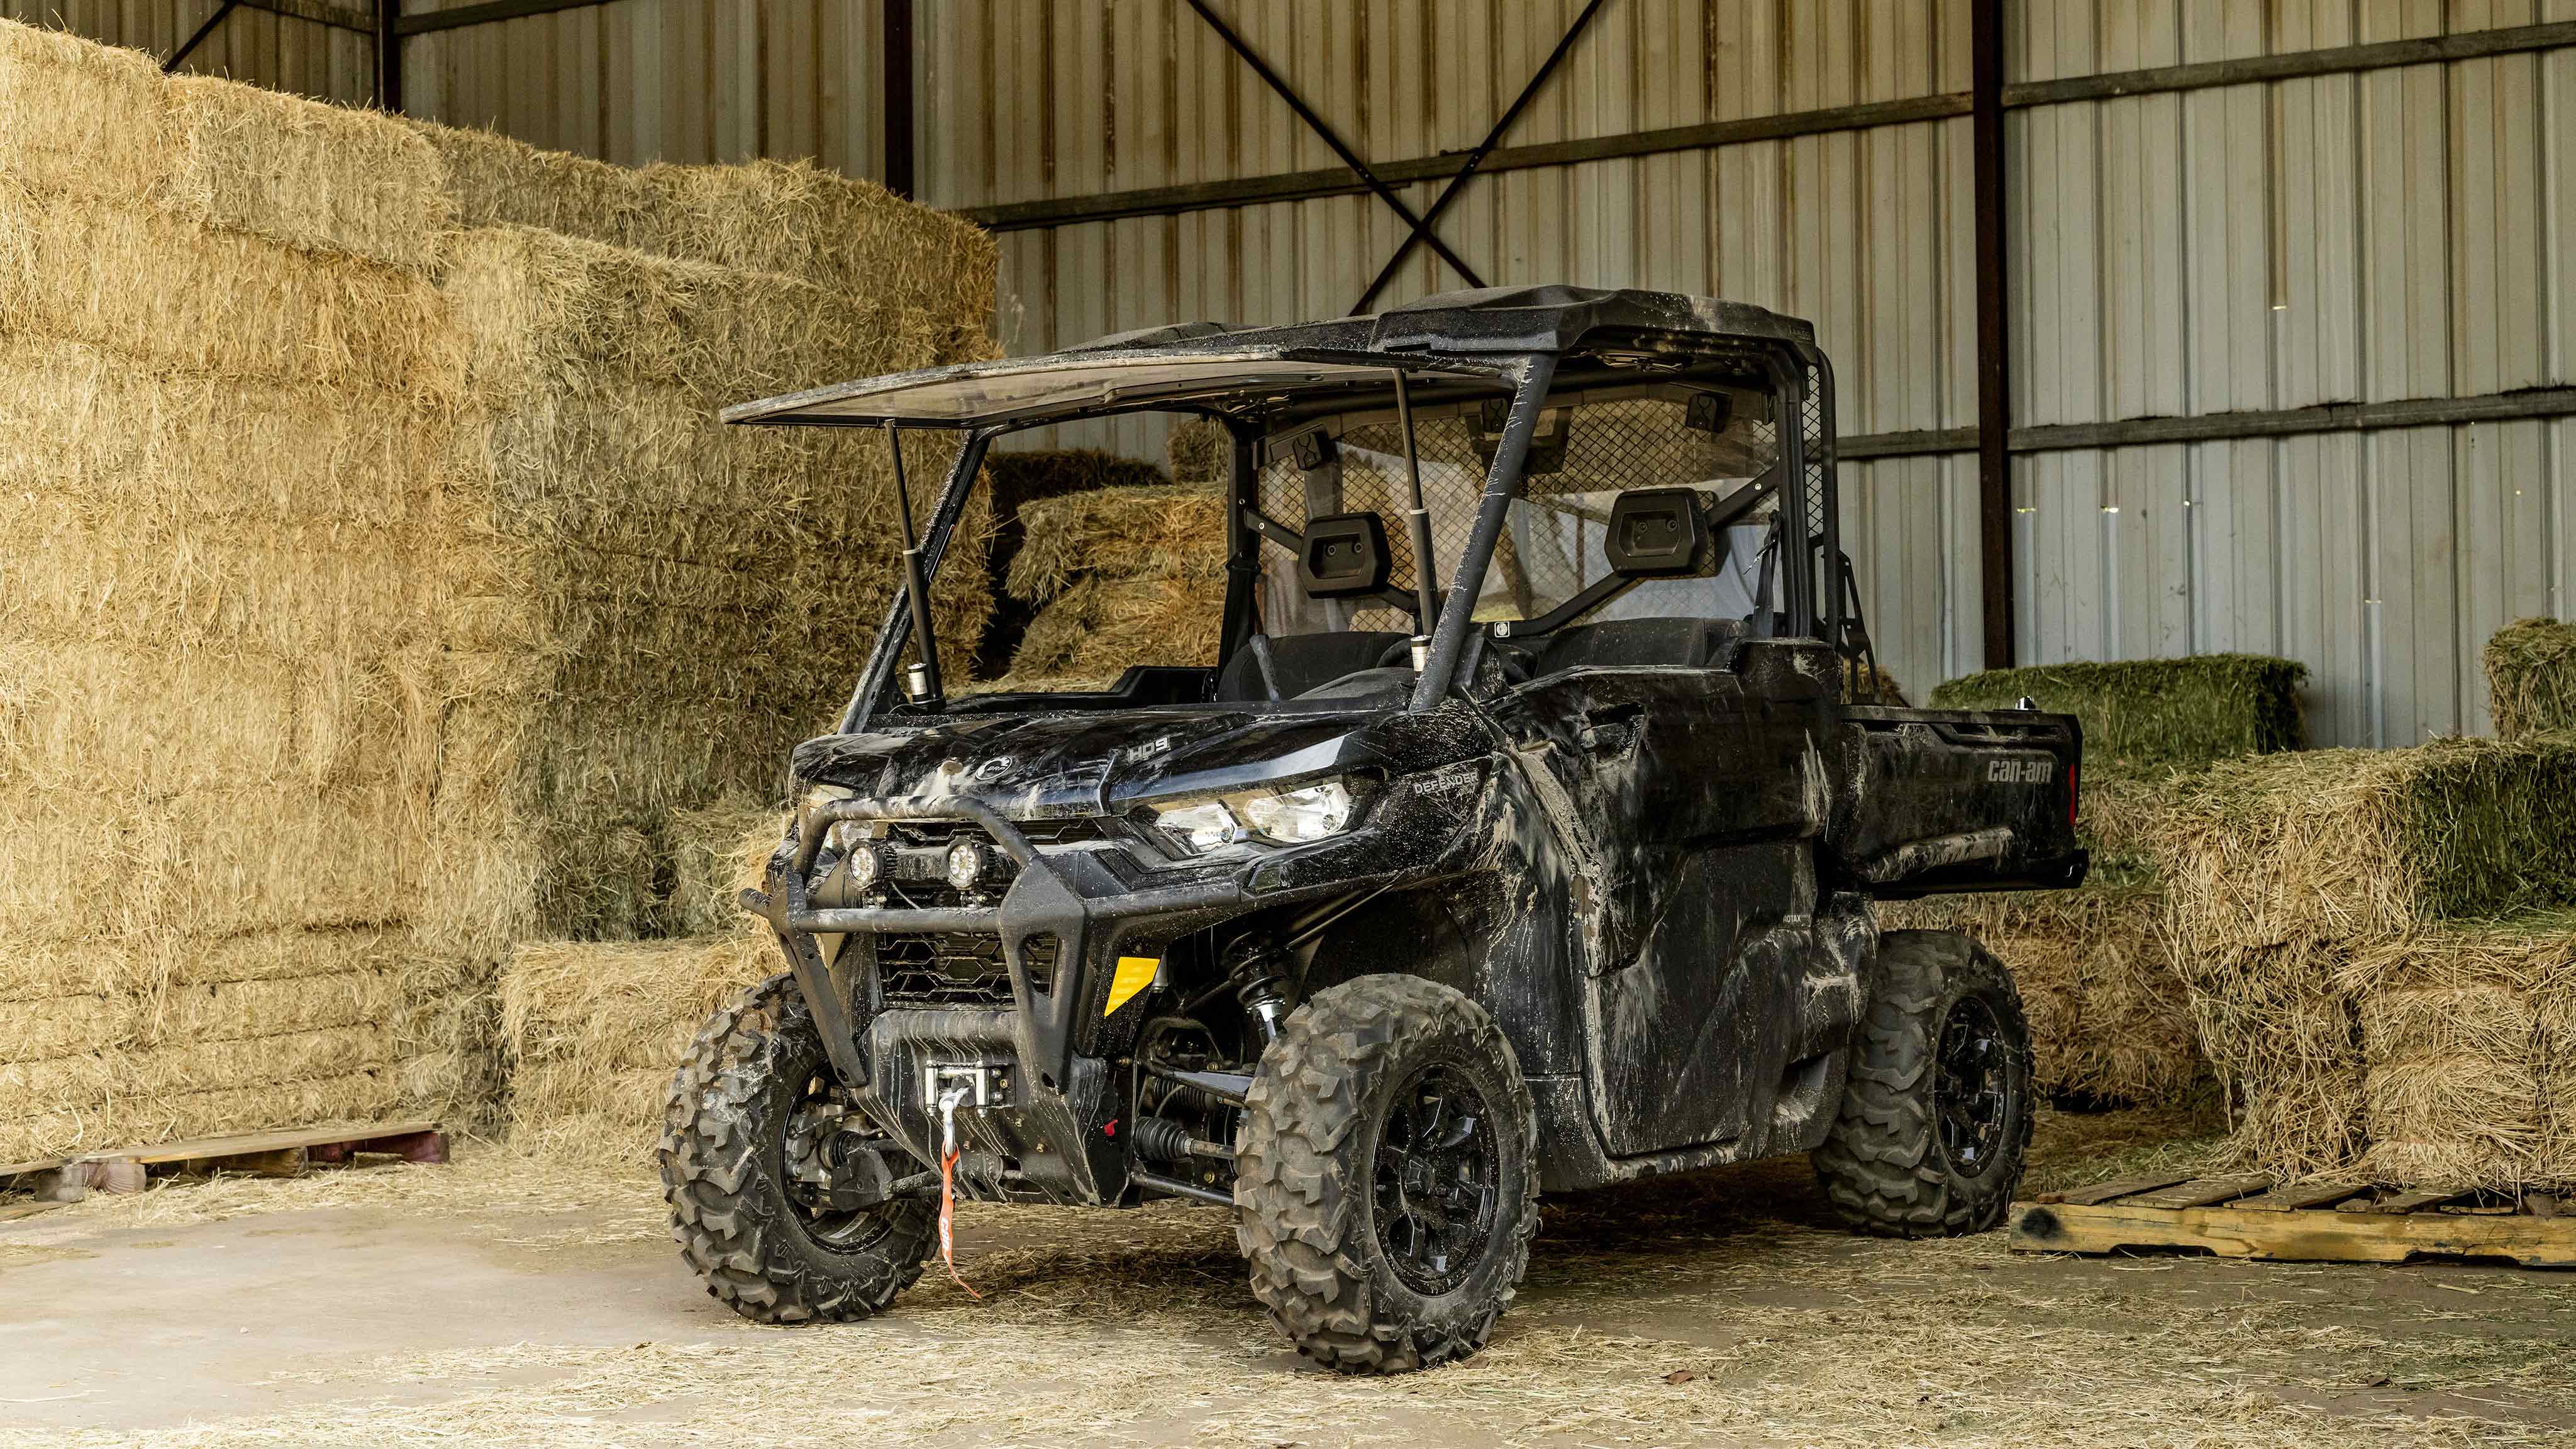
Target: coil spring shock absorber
x=1255 y=965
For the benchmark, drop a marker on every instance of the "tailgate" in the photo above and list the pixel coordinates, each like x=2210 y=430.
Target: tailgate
x=1957 y=800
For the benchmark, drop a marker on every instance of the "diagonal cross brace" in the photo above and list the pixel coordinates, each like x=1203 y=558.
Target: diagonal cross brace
x=1322 y=129
x=196 y=38
x=1422 y=231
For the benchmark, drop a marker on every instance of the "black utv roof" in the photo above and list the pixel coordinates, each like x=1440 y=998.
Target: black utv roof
x=1466 y=336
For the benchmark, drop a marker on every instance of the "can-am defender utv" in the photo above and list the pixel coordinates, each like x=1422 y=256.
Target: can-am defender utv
x=1521 y=836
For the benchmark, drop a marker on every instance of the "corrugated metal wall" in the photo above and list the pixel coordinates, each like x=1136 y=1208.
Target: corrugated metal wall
x=278 y=51
x=2401 y=233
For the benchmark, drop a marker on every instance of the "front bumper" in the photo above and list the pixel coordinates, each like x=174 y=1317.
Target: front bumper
x=1049 y=1135
x=1055 y=1039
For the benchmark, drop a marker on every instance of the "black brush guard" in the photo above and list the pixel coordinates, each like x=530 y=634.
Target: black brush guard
x=1072 y=895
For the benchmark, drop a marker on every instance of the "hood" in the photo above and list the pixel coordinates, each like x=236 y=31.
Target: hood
x=1072 y=764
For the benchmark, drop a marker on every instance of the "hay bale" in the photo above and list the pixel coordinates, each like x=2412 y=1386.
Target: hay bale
x=370 y=595
x=162 y=290
x=1199 y=450
x=717 y=853
x=2343 y=845
x=595 y=1030
x=80 y=118
x=2110 y=1021
x=306 y=174
x=1165 y=532
x=2147 y=715
x=1098 y=627
x=845 y=233
x=2531 y=678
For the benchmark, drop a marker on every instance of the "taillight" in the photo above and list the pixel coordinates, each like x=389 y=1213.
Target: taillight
x=2073 y=788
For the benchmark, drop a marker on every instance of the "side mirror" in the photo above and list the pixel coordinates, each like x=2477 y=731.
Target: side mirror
x=1657 y=533
x=1345 y=556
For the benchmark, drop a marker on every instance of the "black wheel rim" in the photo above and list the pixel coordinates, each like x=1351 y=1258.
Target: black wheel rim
x=1437 y=1182
x=813 y=1122
x=1974 y=1089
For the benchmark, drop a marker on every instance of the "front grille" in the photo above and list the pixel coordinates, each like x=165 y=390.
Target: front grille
x=956 y=968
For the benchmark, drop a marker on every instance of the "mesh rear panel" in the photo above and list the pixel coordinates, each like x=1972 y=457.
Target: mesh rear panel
x=1580 y=459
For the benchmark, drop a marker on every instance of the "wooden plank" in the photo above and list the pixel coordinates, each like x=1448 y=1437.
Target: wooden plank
x=2117 y=1187
x=2200 y=1192
x=2404 y=1202
x=250 y=1143
x=10 y=1212
x=2301 y=1237
x=22 y=1169
x=2305 y=1195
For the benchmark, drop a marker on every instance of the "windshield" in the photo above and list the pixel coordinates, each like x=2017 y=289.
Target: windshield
x=1590 y=447
x=1106 y=563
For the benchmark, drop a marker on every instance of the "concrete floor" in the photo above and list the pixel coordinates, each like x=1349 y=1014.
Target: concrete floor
x=496 y=1304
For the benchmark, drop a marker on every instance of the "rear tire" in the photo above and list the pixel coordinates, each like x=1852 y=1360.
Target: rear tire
x=1937 y=1117
x=1386 y=1176
x=763 y=1252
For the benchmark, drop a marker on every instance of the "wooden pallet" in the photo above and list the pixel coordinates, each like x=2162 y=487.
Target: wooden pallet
x=2322 y=1222
x=261 y=1154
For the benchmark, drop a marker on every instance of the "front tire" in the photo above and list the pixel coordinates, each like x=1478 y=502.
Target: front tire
x=1937 y=1117
x=1386 y=1176
x=765 y=1250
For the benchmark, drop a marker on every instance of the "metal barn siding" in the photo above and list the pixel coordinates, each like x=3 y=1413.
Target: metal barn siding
x=633 y=81
x=282 y=52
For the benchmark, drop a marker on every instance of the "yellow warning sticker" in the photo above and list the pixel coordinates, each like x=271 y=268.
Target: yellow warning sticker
x=1135 y=973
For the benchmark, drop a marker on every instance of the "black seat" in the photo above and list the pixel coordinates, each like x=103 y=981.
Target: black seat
x=1298 y=663
x=1630 y=643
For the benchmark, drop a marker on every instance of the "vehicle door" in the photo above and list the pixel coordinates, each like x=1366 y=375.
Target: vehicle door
x=1688 y=796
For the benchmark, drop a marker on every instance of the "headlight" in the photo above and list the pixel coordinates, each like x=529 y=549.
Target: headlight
x=1273 y=817
x=1200 y=826
x=866 y=863
x=1294 y=817
x=965 y=864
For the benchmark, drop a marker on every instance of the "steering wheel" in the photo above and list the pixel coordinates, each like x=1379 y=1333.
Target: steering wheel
x=1519 y=666
x=1399 y=652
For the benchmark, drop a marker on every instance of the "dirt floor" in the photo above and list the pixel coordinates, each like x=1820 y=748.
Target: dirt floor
x=507 y=1302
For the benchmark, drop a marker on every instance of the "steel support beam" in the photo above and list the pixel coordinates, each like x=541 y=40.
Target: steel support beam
x=320 y=12
x=896 y=54
x=389 y=51
x=1343 y=181
x=1994 y=337
x=198 y=36
x=1476 y=158
x=2418 y=412
x=485 y=14
x=1323 y=129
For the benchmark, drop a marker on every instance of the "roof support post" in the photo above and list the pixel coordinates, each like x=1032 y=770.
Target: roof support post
x=1994 y=355
x=1323 y=130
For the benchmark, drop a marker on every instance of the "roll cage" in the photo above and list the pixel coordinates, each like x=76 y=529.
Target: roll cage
x=1519 y=351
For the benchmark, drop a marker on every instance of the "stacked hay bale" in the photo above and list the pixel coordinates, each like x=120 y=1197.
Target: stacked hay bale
x=2531 y=678
x=643 y=610
x=1119 y=576
x=226 y=391
x=2372 y=961
x=595 y=1029
x=372 y=591
x=2099 y=969
x=1014 y=481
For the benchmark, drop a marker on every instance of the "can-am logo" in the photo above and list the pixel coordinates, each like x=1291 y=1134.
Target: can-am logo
x=2020 y=772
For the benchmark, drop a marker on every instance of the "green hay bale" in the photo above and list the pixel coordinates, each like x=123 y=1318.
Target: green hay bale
x=2350 y=844
x=2146 y=715
x=2531 y=678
